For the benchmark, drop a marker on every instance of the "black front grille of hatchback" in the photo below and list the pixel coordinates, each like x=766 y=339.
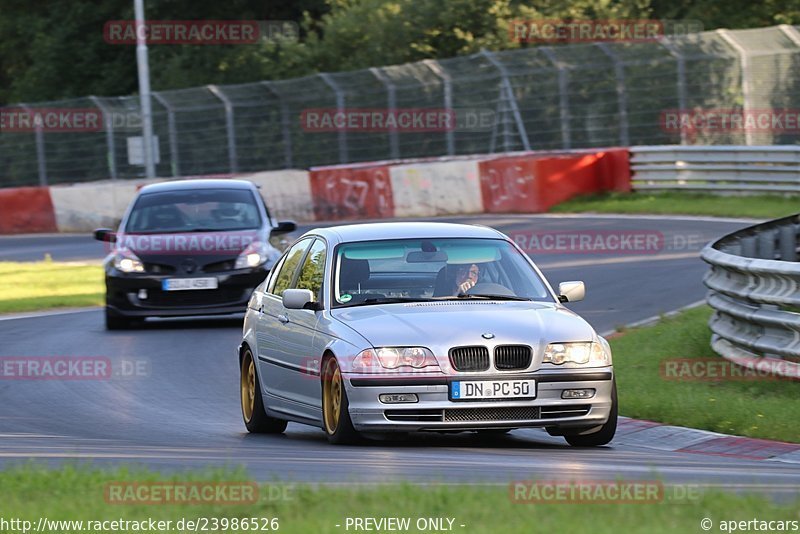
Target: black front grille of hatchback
x=469 y=358
x=512 y=357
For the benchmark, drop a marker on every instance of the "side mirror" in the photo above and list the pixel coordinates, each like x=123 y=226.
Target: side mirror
x=571 y=291
x=105 y=234
x=299 y=299
x=284 y=227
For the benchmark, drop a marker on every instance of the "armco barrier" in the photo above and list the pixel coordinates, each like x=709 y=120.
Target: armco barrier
x=761 y=169
x=26 y=209
x=524 y=183
x=754 y=284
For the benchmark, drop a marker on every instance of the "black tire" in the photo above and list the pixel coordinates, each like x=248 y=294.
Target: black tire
x=117 y=322
x=339 y=431
x=254 y=415
x=606 y=432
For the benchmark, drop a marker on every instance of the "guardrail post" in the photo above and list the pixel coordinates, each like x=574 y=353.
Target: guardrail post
x=287 y=133
x=340 y=107
x=230 y=126
x=766 y=245
x=744 y=61
x=172 y=132
x=108 y=121
x=749 y=246
x=622 y=93
x=447 y=90
x=41 y=160
x=563 y=95
x=391 y=102
x=512 y=101
x=788 y=242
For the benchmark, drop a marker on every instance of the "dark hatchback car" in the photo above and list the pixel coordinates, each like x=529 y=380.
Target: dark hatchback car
x=187 y=248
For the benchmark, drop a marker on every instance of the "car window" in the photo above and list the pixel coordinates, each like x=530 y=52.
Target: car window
x=433 y=268
x=273 y=275
x=313 y=270
x=289 y=266
x=194 y=210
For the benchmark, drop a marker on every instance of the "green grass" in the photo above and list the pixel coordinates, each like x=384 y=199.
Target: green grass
x=759 y=408
x=684 y=203
x=29 y=286
x=70 y=493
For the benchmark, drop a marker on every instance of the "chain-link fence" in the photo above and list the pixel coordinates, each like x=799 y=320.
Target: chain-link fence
x=547 y=97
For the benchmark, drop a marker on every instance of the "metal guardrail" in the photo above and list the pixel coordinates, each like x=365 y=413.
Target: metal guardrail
x=717 y=168
x=754 y=284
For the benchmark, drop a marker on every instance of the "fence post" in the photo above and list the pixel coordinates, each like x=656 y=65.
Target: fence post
x=175 y=161
x=447 y=90
x=108 y=120
x=744 y=61
x=563 y=95
x=512 y=101
x=40 y=154
x=681 y=66
x=287 y=133
x=622 y=94
x=791 y=32
x=229 y=126
x=394 y=145
x=340 y=107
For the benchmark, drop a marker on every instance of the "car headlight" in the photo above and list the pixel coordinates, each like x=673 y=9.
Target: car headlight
x=257 y=253
x=127 y=262
x=393 y=358
x=589 y=354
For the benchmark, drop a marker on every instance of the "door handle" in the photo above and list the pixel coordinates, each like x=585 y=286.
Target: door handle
x=283 y=319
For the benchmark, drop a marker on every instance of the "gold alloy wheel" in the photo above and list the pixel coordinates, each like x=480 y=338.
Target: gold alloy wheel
x=332 y=395
x=248 y=386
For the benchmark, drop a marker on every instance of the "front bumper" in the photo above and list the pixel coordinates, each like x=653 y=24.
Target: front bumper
x=231 y=296
x=435 y=411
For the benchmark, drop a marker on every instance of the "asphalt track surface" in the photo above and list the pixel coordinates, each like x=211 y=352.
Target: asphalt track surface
x=173 y=404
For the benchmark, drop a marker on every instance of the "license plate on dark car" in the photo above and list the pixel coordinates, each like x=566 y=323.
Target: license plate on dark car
x=186 y=284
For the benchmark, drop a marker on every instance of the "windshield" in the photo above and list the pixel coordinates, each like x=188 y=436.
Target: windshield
x=206 y=210
x=376 y=272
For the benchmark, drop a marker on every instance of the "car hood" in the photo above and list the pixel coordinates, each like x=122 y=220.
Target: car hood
x=442 y=325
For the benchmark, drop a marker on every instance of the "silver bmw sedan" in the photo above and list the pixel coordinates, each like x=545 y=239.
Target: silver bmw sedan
x=408 y=326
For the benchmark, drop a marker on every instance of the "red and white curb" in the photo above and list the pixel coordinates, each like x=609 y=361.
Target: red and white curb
x=652 y=435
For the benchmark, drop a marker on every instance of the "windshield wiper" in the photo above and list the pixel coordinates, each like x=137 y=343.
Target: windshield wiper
x=484 y=296
x=386 y=300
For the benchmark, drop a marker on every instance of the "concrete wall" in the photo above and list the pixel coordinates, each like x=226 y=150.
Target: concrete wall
x=515 y=183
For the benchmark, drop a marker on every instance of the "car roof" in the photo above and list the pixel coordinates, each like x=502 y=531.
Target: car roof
x=187 y=185
x=404 y=230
